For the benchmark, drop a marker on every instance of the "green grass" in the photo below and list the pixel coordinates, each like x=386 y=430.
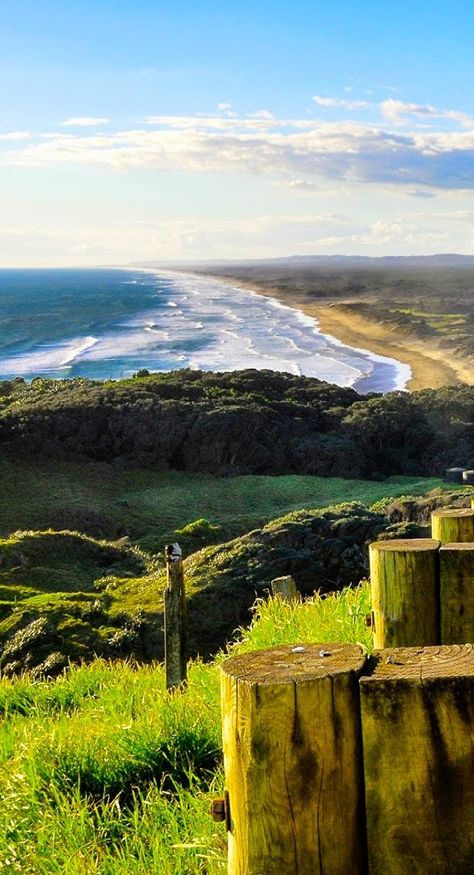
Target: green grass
x=104 y=772
x=69 y=595
x=150 y=506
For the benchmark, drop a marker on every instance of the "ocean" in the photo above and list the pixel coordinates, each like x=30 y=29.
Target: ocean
x=109 y=323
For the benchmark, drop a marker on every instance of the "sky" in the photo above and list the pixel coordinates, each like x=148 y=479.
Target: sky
x=207 y=129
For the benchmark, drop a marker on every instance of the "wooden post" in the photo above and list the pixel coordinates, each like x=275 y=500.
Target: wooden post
x=457 y=593
x=454 y=475
x=285 y=588
x=292 y=757
x=404 y=580
x=452 y=525
x=418 y=737
x=175 y=619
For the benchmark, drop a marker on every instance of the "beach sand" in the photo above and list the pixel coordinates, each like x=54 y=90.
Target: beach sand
x=431 y=366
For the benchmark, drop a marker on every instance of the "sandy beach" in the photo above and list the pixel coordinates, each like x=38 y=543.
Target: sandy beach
x=431 y=366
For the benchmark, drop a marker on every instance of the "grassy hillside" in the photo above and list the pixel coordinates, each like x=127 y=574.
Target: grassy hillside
x=105 y=774
x=68 y=595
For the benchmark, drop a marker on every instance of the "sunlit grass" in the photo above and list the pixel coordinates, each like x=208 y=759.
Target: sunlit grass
x=105 y=772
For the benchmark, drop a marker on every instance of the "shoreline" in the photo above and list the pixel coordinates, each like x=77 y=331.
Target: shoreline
x=403 y=370
x=431 y=367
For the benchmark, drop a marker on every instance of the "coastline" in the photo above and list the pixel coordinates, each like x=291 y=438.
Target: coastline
x=431 y=366
x=382 y=359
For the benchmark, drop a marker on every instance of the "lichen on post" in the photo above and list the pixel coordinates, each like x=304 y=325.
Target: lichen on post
x=418 y=736
x=457 y=593
x=452 y=525
x=404 y=580
x=292 y=757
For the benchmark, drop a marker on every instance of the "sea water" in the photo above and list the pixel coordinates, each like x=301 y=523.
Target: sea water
x=101 y=323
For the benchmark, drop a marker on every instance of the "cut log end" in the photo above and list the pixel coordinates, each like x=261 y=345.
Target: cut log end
x=420 y=664
x=404 y=545
x=453 y=513
x=468 y=546
x=295 y=663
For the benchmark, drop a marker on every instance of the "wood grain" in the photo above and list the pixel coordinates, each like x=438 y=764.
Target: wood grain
x=418 y=737
x=292 y=755
x=404 y=579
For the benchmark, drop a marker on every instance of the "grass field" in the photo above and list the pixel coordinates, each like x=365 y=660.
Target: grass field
x=103 y=773
x=151 y=506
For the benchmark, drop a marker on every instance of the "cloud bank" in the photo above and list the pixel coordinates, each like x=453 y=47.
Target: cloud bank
x=408 y=145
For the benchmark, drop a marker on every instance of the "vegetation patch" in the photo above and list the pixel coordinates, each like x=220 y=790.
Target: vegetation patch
x=105 y=773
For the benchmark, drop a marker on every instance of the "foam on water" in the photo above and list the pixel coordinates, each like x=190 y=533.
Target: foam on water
x=207 y=324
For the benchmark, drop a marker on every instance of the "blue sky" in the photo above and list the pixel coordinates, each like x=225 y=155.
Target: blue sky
x=215 y=129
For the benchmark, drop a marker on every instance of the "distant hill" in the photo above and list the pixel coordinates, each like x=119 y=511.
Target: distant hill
x=444 y=259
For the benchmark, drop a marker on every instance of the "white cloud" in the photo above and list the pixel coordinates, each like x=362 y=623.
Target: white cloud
x=296 y=151
x=341 y=102
x=84 y=121
x=396 y=111
x=16 y=135
x=223 y=107
x=263 y=113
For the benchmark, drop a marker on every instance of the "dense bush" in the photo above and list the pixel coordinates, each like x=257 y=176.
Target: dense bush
x=244 y=422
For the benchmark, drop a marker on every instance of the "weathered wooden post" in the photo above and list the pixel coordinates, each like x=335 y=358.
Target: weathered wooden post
x=418 y=737
x=454 y=475
x=457 y=593
x=404 y=581
x=175 y=619
x=285 y=588
x=292 y=757
x=452 y=525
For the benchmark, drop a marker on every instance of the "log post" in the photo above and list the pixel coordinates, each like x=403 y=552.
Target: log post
x=418 y=736
x=285 y=588
x=292 y=757
x=404 y=581
x=175 y=619
x=454 y=475
x=452 y=525
x=457 y=593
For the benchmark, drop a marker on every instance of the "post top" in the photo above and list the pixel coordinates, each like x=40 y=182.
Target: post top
x=404 y=545
x=457 y=545
x=290 y=663
x=453 y=512
x=420 y=664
